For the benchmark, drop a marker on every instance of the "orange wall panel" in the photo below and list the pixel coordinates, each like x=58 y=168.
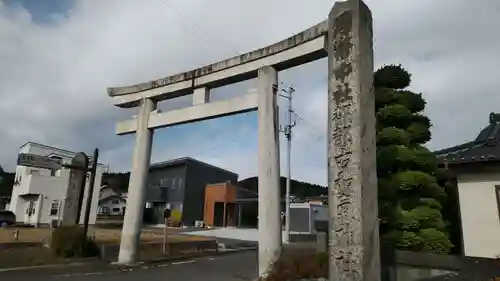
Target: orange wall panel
x=222 y=192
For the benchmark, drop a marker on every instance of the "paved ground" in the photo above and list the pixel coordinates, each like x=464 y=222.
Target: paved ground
x=231 y=267
x=251 y=235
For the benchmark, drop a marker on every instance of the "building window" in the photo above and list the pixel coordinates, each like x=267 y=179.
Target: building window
x=174 y=183
x=54 y=172
x=116 y=210
x=54 y=208
x=165 y=182
x=105 y=210
x=175 y=206
x=30 y=210
x=34 y=172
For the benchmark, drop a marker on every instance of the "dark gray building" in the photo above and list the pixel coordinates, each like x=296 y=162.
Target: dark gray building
x=179 y=184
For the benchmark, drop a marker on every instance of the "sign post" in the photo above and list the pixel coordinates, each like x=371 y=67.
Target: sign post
x=166 y=215
x=164 y=250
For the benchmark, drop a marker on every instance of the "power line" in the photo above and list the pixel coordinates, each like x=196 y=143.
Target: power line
x=201 y=29
x=320 y=134
x=300 y=118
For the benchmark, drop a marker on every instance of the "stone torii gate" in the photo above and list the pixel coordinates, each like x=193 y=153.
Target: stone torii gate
x=345 y=39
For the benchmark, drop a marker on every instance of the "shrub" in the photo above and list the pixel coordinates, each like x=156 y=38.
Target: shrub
x=299 y=264
x=437 y=241
x=69 y=242
x=410 y=196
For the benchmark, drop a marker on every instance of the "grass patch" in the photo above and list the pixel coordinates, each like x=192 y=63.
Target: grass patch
x=101 y=235
x=25 y=234
x=27 y=256
x=28 y=250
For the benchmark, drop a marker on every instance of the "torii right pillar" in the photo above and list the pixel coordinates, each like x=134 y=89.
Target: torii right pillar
x=352 y=179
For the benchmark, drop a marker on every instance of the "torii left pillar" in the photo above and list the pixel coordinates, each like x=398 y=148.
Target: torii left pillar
x=132 y=223
x=269 y=170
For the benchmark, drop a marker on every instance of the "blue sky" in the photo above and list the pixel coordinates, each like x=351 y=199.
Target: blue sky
x=42 y=10
x=58 y=57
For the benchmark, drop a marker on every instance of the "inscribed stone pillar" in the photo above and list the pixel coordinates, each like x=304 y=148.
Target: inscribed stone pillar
x=132 y=222
x=352 y=180
x=269 y=170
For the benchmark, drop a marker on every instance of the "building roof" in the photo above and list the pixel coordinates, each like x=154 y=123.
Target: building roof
x=57 y=149
x=185 y=160
x=485 y=148
x=115 y=190
x=110 y=197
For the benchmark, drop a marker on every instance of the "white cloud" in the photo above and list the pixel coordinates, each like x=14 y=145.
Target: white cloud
x=53 y=77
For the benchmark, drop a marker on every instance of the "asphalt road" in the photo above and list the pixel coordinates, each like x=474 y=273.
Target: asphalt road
x=230 y=267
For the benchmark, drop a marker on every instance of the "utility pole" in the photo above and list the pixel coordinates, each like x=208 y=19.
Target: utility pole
x=90 y=192
x=287 y=130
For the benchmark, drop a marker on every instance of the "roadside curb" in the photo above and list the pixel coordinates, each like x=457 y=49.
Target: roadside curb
x=185 y=257
x=80 y=262
x=87 y=261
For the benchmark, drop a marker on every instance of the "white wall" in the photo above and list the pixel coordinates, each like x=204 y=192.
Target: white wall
x=51 y=188
x=479 y=211
x=109 y=204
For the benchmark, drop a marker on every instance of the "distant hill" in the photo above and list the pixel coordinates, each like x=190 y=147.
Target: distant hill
x=119 y=182
x=297 y=188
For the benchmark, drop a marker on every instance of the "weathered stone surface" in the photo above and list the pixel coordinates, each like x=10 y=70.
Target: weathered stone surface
x=269 y=170
x=72 y=206
x=313 y=279
x=132 y=222
x=352 y=182
x=293 y=41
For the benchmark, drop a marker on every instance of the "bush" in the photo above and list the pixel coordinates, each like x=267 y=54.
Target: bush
x=392 y=76
x=69 y=242
x=299 y=264
x=436 y=241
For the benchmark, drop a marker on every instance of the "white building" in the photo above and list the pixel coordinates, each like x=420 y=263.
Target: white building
x=111 y=202
x=38 y=195
x=113 y=205
x=476 y=167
